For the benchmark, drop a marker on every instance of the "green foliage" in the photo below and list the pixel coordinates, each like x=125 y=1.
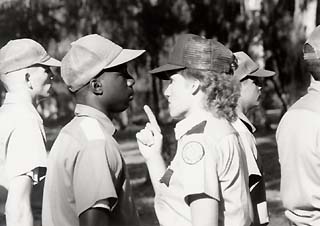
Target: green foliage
x=154 y=24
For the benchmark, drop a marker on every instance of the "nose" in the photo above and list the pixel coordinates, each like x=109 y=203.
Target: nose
x=130 y=82
x=167 y=91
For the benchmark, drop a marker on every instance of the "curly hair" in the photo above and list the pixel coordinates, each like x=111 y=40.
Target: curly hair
x=222 y=92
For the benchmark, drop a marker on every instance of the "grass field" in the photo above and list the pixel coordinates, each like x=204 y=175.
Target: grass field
x=142 y=189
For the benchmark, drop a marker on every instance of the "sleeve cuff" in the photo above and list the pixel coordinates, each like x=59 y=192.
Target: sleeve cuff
x=37 y=174
x=108 y=204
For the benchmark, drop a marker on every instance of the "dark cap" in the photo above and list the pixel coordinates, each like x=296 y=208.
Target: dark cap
x=195 y=52
x=247 y=67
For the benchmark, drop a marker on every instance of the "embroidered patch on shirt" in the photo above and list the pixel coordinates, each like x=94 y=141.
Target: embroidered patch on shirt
x=192 y=152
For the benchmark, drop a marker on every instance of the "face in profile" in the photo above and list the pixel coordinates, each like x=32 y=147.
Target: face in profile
x=40 y=78
x=117 y=86
x=178 y=93
x=250 y=92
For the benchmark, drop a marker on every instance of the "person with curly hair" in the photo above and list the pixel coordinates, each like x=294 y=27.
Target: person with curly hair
x=207 y=181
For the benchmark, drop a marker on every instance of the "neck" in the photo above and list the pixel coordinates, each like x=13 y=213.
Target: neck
x=241 y=108
x=96 y=106
x=197 y=107
x=23 y=95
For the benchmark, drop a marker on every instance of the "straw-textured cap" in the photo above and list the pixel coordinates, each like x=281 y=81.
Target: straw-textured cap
x=247 y=67
x=314 y=41
x=22 y=53
x=195 y=52
x=88 y=56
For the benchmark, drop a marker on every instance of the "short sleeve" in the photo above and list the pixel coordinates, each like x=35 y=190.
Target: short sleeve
x=26 y=151
x=36 y=175
x=92 y=179
x=231 y=157
x=199 y=173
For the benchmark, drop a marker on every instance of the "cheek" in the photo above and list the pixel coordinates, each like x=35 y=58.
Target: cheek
x=42 y=81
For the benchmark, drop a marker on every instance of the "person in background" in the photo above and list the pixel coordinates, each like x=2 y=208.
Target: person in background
x=87 y=181
x=26 y=76
x=298 y=139
x=207 y=181
x=248 y=74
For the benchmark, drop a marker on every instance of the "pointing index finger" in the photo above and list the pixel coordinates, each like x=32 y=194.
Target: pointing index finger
x=151 y=117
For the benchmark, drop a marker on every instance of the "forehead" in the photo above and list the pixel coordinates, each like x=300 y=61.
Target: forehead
x=176 y=76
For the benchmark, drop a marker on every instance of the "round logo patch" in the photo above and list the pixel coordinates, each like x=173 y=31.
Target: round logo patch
x=192 y=152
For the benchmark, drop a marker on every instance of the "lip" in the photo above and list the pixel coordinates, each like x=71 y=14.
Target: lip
x=131 y=95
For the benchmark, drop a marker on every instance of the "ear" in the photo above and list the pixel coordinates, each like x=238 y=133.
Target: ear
x=195 y=86
x=27 y=78
x=96 y=87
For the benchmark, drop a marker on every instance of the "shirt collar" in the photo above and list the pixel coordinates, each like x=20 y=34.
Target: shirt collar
x=22 y=99
x=314 y=86
x=183 y=126
x=85 y=110
x=246 y=121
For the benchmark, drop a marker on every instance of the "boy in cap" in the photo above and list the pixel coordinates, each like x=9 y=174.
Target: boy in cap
x=26 y=75
x=298 y=146
x=87 y=182
x=248 y=73
x=206 y=183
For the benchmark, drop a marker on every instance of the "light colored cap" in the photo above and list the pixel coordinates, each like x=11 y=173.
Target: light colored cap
x=247 y=67
x=314 y=41
x=88 y=56
x=22 y=53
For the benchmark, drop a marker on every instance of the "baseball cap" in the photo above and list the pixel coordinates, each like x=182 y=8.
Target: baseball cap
x=195 y=52
x=88 y=56
x=22 y=53
x=247 y=67
x=314 y=41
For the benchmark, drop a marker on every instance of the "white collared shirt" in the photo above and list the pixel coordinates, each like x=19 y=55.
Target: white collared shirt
x=22 y=138
x=298 y=139
x=245 y=129
x=208 y=161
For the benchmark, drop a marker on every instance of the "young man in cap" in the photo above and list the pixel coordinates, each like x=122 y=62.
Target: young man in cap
x=298 y=146
x=26 y=75
x=248 y=73
x=206 y=183
x=87 y=182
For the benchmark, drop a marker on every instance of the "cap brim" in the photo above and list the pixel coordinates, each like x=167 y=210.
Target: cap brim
x=166 y=67
x=125 y=56
x=262 y=73
x=52 y=62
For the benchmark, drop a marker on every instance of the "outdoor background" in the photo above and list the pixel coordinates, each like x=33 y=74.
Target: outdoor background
x=272 y=32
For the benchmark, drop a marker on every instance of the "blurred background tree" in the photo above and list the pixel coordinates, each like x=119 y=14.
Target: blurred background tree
x=272 y=32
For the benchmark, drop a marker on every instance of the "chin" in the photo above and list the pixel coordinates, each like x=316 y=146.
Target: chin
x=176 y=116
x=122 y=108
x=46 y=95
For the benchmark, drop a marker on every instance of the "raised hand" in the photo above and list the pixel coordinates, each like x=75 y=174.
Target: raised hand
x=150 y=138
